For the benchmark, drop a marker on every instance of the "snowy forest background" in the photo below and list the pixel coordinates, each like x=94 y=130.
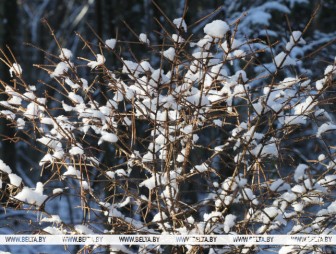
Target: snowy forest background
x=181 y=117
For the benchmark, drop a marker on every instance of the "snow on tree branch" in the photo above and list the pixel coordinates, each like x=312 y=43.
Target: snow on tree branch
x=209 y=139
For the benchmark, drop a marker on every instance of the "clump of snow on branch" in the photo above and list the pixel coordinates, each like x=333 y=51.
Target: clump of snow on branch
x=66 y=54
x=143 y=38
x=111 y=43
x=15 y=69
x=217 y=28
x=180 y=23
x=100 y=61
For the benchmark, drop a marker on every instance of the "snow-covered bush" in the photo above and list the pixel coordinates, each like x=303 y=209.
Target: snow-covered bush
x=212 y=140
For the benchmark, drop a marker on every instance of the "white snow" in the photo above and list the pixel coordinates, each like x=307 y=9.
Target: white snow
x=93 y=160
x=169 y=53
x=110 y=174
x=49 y=141
x=47 y=158
x=52 y=218
x=34 y=197
x=131 y=67
x=76 y=150
x=279 y=185
x=71 y=84
x=181 y=156
x=85 y=185
x=143 y=38
x=4 y=167
x=187 y=129
x=149 y=156
x=324 y=128
x=288 y=82
x=60 y=69
x=66 y=107
x=217 y=28
x=111 y=43
x=305 y=106
x=310 y=184
x=57 y=190
x=247 y=194
x=321 y=157
x=191 y=220
x=288 y=249
x=127 y=121
x=15 y=179
x=146 y=66
x=270 y=213
x=201 y=168
x=252 y=134
x=213 y=216
x=289 y=196
x=258 y=17
x=297 y=37
x=200 y=55
x=15 y=99
x=180 y=23
x=241 y=181
x=198 y=99
x=5 y=252
x=229 y=184
x=300 y=172
x=150 y=182
x=205 y=42
x=118 y=96
x=177 y=38
x=71 y=171
x=160 y=216
x=330 y=69
x=84 y=84
x=195 y=138
x=16 y=69
x=66 y=54
x=234 y=45
x=298 y=189
x=107 y=137
x=258 y=107
x=100 y=61
x=294 y=120
x=159 y=76
x=82 y=229
x=239 y=53
x=125 y=202
x=229 y=222
x=54 y=230
x=265 y=150
x=9 y=114
x=160 y=140
x=332 y=208
x=76 y=98
x=20 y=123
x=121 y=172
x=319 y=84
x=39 y=188
x=283 y=59
x=305 y=83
